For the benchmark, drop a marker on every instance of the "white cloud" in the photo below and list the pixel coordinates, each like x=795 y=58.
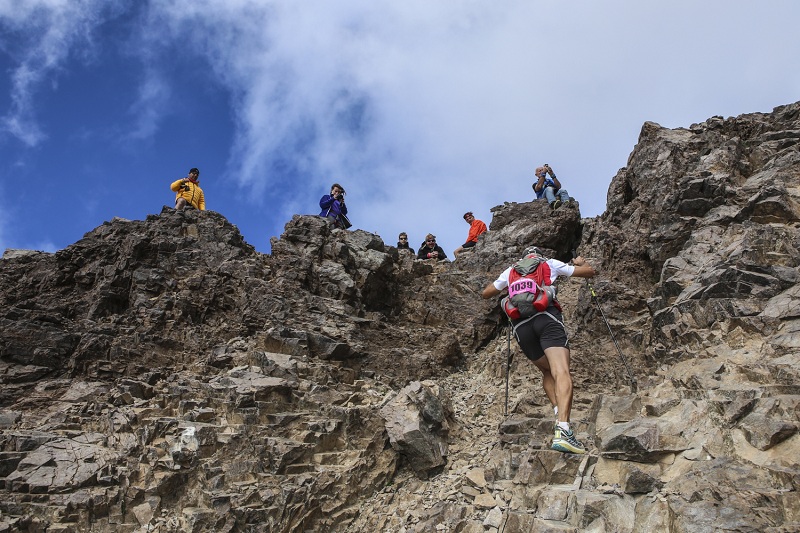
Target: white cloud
x=408 y=104
x=424 y=110
x=48 y=31
x=150 y=107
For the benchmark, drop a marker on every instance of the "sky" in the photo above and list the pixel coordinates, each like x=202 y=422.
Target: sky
x=422 y=110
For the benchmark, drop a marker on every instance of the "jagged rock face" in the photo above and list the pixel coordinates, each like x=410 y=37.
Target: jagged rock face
x=161 y=375
x=700 y=251
x=127 y=294
x=702 y=227
x=164 y=364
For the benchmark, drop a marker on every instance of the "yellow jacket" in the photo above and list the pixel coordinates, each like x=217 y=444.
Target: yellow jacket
x=194 y=194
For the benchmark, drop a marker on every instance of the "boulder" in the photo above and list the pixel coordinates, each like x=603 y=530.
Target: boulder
x=416 y=422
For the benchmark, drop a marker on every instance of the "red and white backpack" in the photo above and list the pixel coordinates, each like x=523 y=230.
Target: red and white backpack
x=530 y=288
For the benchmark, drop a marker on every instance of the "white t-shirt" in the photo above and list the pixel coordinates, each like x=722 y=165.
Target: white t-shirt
x=557 y=268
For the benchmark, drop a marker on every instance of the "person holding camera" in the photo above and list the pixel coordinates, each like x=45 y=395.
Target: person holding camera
x=188 y=192
x=431 y=250
x=550 y=187
x=334 y=208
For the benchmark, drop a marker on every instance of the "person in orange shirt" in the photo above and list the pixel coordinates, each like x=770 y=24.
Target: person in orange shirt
x=188 y=192
x=476 y=227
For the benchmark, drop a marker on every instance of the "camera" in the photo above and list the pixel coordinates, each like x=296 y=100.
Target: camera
x=340 y=197
x=185 y=187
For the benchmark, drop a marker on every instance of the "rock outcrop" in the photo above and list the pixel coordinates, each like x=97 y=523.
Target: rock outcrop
x=161 y=375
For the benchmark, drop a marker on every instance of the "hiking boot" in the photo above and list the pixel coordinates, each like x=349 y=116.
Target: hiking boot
x=556 y=204
x=565 y=441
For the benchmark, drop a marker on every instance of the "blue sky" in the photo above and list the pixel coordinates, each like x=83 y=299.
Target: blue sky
x=421 y=110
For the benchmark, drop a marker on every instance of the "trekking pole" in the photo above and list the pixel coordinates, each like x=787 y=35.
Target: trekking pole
x=508 y=365
x=596 y=300
x=624 y=361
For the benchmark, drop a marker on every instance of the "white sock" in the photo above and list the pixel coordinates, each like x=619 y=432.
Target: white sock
x=555 y=410
x=564 y=425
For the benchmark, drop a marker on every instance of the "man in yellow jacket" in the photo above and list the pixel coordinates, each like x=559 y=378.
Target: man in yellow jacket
x=189 y=192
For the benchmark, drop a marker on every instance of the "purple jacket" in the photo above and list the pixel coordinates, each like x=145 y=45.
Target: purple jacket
x=331 y=207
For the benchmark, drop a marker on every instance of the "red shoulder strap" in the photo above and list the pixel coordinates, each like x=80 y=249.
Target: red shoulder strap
x=542 y=275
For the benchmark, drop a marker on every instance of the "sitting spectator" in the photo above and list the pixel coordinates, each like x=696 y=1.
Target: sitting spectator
x=476 y=227
x=188 y=192
x=334 y=208
x=550 y=187
x=402 y=242
x=431 y=250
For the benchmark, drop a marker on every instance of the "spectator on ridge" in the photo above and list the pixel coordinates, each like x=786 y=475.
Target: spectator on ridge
x=476 y=227
x=402 y=242
x=188 y=192
x=550 y=187
x=431 y=250
x=334 y=208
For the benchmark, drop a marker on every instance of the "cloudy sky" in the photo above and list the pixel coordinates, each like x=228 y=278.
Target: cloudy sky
x=422 y=110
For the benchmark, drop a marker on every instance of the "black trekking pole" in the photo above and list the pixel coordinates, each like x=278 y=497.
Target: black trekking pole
x=624 y=361
x=596 y=300
x=508 y=365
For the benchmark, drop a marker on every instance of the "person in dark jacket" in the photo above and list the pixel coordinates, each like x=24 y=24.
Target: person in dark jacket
x=402 y=242
x=334 y=208
x=431 y=250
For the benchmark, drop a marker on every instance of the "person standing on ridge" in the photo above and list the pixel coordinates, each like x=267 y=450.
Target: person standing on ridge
x=476 y=227
x=543 y=336
x=550 y=187
x=334 y=208
x=188 y=192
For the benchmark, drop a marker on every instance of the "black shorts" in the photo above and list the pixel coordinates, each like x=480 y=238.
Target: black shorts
x=469 y=244
x=543 y=331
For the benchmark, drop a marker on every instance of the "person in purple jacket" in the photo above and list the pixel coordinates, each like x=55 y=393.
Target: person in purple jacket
x=334 y=208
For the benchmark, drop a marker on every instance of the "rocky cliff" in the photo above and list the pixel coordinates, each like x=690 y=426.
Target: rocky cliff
x=161 y=375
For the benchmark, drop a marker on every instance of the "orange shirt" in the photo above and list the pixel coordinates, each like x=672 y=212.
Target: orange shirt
x=476 y=228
